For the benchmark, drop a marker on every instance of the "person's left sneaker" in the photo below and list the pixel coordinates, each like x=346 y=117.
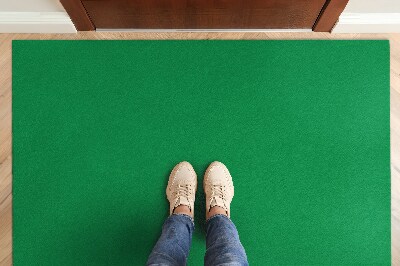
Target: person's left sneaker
x=182 y=186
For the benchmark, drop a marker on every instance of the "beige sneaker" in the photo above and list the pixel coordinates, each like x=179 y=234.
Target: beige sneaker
x=182 y=186
x=218 y=187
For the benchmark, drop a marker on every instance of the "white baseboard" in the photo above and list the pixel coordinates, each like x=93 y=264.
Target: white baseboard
x=368 y=23
x=36 y=22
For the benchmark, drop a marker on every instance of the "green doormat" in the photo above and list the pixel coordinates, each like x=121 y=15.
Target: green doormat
x=303 y=126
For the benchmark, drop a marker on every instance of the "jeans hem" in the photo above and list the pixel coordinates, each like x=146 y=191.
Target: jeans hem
x=185 y=215
x=215 y=215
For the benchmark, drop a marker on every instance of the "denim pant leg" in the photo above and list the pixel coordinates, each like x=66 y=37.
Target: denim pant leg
x=172 y=248
x=223 y=244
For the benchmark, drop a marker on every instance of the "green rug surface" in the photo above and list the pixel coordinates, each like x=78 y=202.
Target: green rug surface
x=303 y=126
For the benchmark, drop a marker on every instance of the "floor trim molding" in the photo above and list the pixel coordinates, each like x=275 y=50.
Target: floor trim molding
x=368 y=23
x=36 y=22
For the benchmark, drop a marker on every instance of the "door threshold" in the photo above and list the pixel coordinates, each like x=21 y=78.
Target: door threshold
x=204 y=30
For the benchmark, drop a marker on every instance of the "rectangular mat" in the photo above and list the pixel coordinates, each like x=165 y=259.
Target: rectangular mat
x=303 y=126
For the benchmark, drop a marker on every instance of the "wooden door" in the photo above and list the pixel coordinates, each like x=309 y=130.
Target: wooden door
x=319 y=15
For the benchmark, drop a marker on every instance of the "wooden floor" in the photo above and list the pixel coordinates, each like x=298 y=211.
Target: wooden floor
x=5 y=111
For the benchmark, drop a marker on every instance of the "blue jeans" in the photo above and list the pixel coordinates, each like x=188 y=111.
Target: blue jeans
x=222 y=242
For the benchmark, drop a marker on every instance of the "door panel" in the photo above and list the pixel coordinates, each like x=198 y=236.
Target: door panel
x=203 y=14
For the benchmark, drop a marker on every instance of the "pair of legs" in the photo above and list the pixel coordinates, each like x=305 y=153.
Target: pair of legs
x=222 y=241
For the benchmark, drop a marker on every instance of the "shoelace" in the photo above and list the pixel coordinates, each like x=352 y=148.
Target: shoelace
x=218 y=191
x=183 y=191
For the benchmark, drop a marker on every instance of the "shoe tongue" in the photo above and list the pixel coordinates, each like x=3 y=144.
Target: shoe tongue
x=182 y=201
x=217 y=201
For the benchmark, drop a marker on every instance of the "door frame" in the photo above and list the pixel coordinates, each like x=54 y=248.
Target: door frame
x=325 y=22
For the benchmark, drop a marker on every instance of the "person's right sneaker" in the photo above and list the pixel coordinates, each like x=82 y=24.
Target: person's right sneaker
x=218 y=187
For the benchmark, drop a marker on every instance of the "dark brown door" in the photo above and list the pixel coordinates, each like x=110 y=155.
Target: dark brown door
x=202 y=14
